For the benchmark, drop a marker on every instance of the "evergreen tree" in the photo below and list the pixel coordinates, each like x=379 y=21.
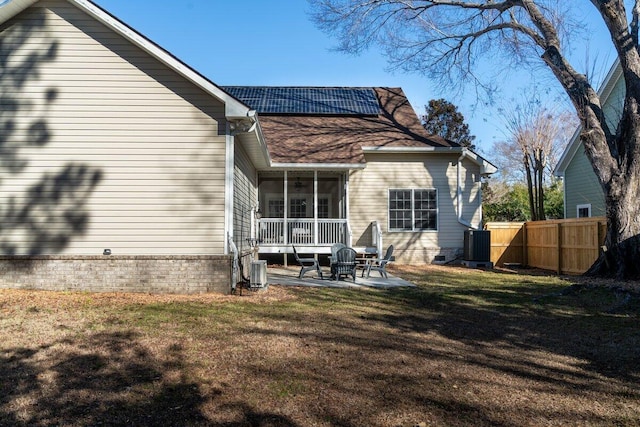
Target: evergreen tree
x=443 y=118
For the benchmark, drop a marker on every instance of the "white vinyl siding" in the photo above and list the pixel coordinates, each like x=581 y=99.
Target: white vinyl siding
x=245 y=198
x=152 y=142
x=368 y=199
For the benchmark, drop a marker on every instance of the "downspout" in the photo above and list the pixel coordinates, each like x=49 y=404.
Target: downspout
x=228 y=186
x=234 y=126
x=235 y=265
x=459 y=192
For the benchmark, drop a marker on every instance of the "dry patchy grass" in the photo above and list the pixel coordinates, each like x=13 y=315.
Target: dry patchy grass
x=463 y=348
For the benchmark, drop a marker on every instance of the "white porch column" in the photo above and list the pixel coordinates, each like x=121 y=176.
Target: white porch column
x=346 y=204
x=315 y=208
x=285 y=225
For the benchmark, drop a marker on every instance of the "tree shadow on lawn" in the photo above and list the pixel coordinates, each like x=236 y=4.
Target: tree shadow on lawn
x=558 y=347
x=106 y=379
x=565 y=325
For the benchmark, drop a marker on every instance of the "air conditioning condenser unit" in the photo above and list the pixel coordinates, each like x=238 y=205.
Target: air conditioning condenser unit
x=258 y=279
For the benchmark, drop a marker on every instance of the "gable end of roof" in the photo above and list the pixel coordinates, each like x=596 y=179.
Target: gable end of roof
x=233 y=107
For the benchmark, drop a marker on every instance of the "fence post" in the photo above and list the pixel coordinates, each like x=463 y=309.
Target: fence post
x=525 y=261
x=559 y=240
x=597 y=242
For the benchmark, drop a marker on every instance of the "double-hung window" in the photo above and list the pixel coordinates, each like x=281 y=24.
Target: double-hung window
x=413 y=209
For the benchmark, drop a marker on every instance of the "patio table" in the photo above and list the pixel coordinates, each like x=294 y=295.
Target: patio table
x=363 y=263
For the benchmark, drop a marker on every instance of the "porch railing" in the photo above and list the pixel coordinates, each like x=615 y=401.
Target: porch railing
x=272 y=231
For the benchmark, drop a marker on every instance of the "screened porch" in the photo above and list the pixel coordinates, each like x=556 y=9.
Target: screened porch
x=307 y=209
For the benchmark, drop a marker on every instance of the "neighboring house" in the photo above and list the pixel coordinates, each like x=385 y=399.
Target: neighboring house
x=583 y=195
x=122 y=168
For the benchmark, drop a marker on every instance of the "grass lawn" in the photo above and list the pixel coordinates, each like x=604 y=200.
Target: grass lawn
x=465 y=347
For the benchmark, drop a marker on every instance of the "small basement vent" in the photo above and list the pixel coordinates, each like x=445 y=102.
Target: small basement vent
x=439 y=260
x=258 y=274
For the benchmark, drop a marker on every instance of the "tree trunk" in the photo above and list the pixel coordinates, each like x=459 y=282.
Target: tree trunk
x=621 y=258
x=532 y=205
x=541 y=214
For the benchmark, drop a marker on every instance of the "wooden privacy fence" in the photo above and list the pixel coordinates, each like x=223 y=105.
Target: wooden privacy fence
x=567 y=246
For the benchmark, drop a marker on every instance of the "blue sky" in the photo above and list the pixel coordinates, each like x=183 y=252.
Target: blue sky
x=273 y=42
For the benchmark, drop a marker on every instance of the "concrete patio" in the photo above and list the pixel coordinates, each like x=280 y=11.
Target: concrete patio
x=289 y=277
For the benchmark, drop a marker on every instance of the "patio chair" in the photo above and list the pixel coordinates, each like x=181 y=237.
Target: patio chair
x=345 y=264
x=306 y=264
x=381 y=264
x=336 y=247
x=334 y=252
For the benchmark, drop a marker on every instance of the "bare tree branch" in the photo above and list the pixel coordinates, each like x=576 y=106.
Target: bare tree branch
x=445 y=40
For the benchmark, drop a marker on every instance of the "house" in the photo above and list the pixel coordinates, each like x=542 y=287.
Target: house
x=583 y=195
x=355 y=165
x=124 y=169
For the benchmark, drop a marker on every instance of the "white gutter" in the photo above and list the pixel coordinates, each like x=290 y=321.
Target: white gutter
x=293 y=166
x=245 y=124
x=413 y=149
x=486 y=168
x=459 y=191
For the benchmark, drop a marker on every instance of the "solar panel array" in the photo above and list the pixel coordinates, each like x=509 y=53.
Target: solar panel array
x=307 y=100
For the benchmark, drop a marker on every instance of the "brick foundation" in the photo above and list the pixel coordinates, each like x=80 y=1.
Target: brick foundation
x=118 y=273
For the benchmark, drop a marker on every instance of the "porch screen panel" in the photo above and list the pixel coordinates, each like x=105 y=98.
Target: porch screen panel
x=323 y=208
x=276 y=208
x=298 y=208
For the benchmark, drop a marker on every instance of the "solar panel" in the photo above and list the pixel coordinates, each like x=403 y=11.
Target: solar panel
x=307 y=100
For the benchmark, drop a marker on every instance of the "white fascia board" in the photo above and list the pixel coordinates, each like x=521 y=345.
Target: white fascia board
x=12 y=8
x=610 y=81
x=233 y=107
x=487 y=168
x=262 y=141
x=319 y=166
